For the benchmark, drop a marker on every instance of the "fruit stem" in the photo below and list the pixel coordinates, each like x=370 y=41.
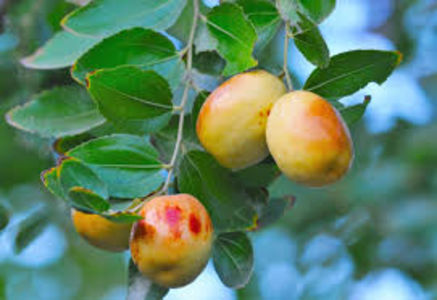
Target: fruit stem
x=177 y=146
x=286 y=50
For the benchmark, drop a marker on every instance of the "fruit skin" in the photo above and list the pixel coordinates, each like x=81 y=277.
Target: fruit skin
x=308 y=139
x=172 y=244
x=101 y=232
x=232 y=121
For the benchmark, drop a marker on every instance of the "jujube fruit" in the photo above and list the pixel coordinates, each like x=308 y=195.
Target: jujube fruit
x=100 y=232
x=308 y=139
x=172 y=244
x=232 y=121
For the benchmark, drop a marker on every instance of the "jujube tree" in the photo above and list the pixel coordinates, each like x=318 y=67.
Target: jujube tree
x=180 y=120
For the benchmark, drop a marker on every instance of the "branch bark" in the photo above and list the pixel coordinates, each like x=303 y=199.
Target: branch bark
x=181 y=107
x=286 y=51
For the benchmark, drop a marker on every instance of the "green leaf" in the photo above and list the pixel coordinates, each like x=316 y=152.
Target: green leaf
x=259 y=175
x=61 y=51
x=57 y=112
x=51 y=181
x=233 y=258
x=310 y=42
x=317 y=10
x=349 y=72
x=265 y=17
x=197 y=106
x=106 y=17
x=128 y=164
x=227 y=202
x=354 y=113
x=57 y=12
x=208 y=62
x=63 y=144
x=337 y=105
x=173 y=70
x=165 y=139
x=235 y=35
x=269 y=58
x=274 y=210
x=29 y=229
x=123 y=217
x=140 y=47
x=4 y=216
x=73 y=173
x=203 y=40
x=126 y=93
x=85 y=199
x=289 y=10
x=137 y=127
x=139 y=287
x=79 y=2
x=259 y=197
x=181 y=29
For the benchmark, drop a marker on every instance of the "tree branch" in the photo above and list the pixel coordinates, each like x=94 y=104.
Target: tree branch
x=181 y=107
x=286 y=50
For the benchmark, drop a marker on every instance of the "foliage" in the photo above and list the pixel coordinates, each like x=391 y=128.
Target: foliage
x=128 y=122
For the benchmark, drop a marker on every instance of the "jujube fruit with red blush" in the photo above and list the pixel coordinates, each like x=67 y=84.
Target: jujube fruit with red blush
x=308 y=139
x=172 y=244
x=232 y=122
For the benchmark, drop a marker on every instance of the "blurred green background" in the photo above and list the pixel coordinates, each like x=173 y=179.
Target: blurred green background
x=371 y=236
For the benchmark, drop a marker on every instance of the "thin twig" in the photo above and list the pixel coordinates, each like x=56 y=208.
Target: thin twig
x=181 y=107
x=285 y=66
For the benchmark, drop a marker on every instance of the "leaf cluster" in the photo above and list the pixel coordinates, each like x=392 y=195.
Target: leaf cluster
x=115 y=132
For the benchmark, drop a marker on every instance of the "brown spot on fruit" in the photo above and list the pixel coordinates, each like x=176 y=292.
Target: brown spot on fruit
x=195 y=225
x=140 y=230
x=135 y=251
x=150 y=231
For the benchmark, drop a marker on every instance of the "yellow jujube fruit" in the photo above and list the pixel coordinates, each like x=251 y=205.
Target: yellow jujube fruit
x=232 y=121
x=172 y=244
x=100 y=232
x=308 y=139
